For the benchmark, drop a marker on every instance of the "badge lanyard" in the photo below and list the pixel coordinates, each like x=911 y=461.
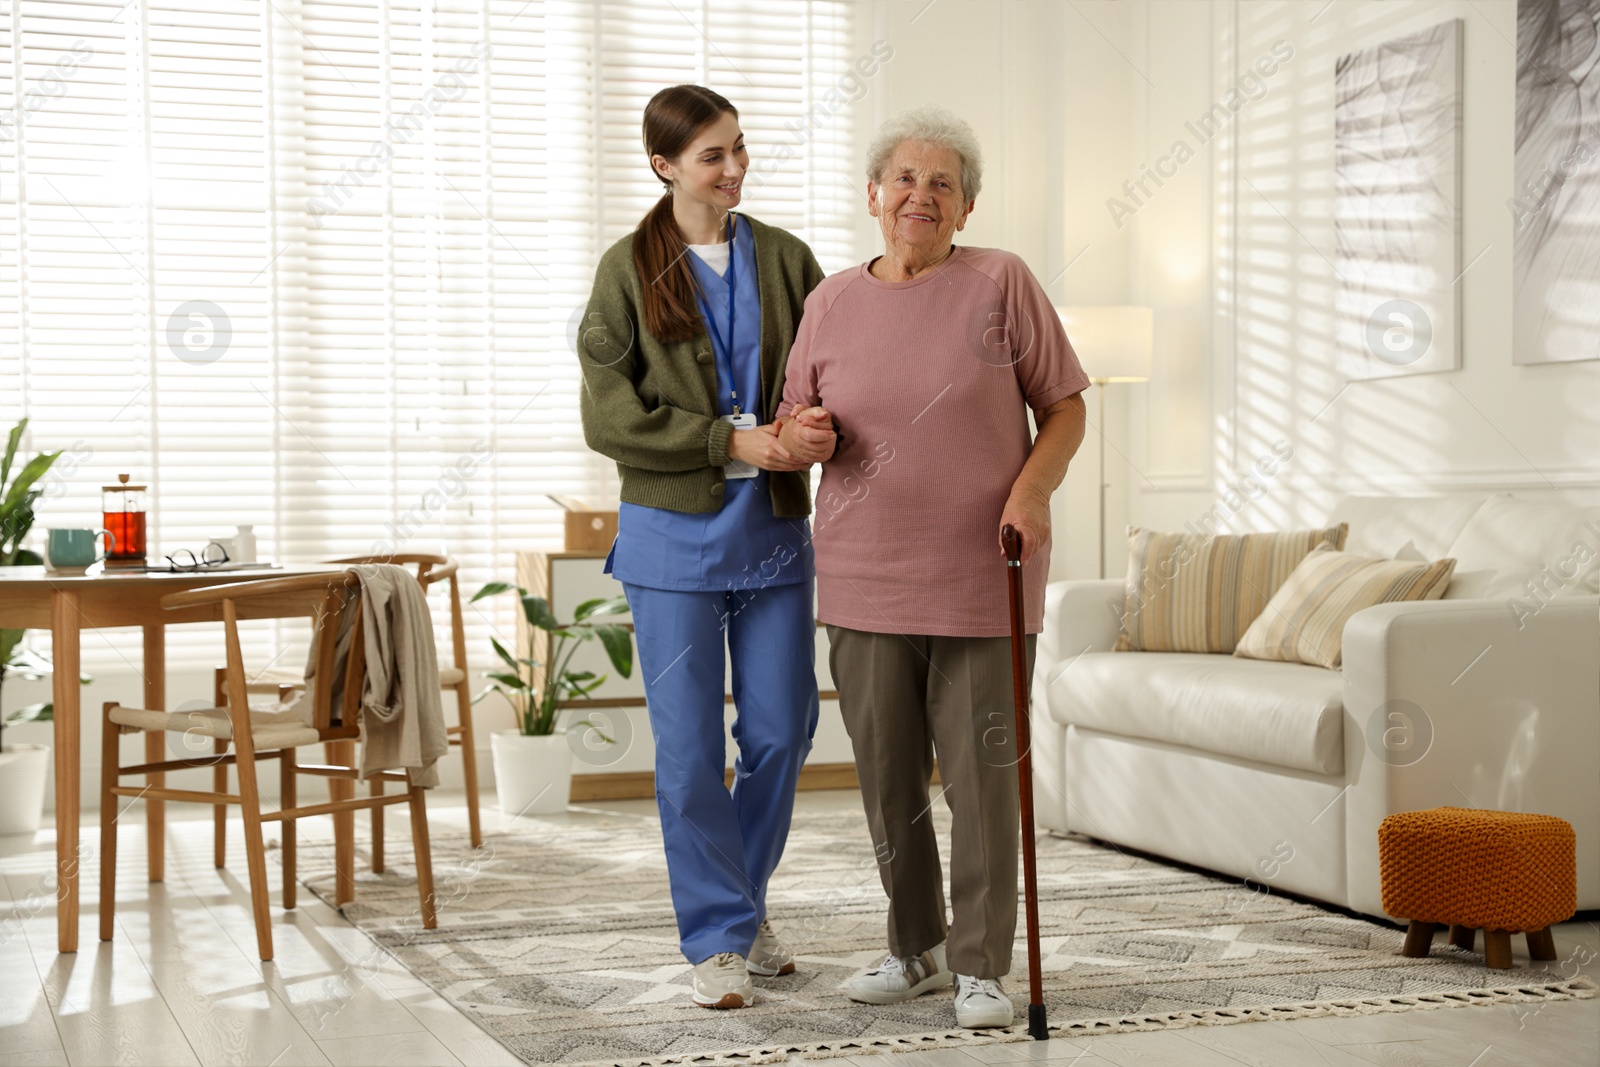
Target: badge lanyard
x=724 y=352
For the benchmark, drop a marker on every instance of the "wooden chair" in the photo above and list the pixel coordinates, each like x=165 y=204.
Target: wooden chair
x=266 y=734
x=431 y=569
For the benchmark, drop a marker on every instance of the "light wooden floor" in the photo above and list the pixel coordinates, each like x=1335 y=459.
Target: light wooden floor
x=181 y=984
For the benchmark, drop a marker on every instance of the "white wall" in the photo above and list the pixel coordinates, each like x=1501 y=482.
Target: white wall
x=1244 y=355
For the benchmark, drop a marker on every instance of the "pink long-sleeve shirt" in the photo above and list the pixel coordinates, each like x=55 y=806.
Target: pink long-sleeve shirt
x=929 y=382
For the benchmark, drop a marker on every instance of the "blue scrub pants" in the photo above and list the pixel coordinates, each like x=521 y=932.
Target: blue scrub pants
x=722 y=846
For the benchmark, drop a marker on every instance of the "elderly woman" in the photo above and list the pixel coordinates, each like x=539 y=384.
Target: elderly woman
x=910 y=378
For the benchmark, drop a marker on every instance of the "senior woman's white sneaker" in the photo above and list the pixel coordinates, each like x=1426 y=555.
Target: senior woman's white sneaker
x=900 y=978
x=768 y=958
x=723 y=982
x=981 y=1004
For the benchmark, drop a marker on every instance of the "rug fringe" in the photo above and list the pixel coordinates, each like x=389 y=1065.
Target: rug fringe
x=1526 y=993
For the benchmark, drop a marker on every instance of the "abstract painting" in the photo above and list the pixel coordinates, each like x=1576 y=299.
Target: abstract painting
x=1556 y=203
x=1397 y=196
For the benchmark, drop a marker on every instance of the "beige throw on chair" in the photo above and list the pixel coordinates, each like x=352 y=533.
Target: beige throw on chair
x=402 y=716
x=431 y=570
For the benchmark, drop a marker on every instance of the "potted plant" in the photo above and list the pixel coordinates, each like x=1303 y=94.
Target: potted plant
x=22 y=767
x=533 y=763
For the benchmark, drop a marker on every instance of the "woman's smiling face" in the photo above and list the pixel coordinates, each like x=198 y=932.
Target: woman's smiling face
x=918 y=202
x=711 y=169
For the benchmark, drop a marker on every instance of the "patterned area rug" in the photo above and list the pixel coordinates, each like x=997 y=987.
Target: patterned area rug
x=560 y=942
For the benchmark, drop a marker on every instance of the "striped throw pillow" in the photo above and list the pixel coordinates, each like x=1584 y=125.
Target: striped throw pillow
x=1189 y=592
x=1304 y=622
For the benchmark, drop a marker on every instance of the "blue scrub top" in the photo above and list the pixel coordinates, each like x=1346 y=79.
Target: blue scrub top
x=743 y=545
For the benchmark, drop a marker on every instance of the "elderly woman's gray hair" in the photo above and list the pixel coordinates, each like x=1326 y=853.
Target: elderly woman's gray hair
x=936 y=126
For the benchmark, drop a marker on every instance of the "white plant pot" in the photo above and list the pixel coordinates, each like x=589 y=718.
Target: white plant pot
x=22 y=773
x=532 y=775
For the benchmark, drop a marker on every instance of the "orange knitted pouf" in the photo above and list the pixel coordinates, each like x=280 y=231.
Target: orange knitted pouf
x=1503 y=872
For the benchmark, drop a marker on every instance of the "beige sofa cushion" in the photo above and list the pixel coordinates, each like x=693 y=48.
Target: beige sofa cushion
x=1304 y=622
x=1190 y=592
x=1284 y=714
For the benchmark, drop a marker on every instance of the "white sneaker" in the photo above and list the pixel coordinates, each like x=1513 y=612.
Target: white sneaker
x=900 y=978
x=723 y=982
x=981 y=1004
x=767 y=957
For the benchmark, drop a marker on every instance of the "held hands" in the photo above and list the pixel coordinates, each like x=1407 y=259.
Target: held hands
x=760 y=448
x=808 y=434
x=1029 y=512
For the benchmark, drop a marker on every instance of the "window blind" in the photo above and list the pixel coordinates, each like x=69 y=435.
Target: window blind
x=312 y=265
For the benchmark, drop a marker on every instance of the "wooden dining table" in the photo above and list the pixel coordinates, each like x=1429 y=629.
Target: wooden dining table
x=36 y=599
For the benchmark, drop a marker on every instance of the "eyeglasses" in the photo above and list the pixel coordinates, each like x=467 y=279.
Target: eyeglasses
x=210 y=556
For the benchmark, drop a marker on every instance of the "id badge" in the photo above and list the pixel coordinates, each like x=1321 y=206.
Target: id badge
x=736 y=468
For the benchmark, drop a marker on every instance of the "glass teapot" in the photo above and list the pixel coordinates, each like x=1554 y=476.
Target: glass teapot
x=123 y=514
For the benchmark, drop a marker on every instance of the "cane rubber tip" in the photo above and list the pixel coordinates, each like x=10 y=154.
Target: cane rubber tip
x=1038 y=1028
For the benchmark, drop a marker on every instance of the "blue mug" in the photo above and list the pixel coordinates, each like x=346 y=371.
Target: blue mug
x=74 y=548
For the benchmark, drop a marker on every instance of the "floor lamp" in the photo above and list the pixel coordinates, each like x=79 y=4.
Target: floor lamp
x=1114 y=344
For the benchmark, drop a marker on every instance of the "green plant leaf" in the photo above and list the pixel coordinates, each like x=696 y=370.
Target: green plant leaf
x=44 y=712
x=619 y=646
x=30 y=664
x=600 y=606
x=536 y=609
x=580 y=690
x=511 y=681
x=31 y=472
x=11 y=449
x=27 y=557
x=606 y=738
x=493 y=589
x=9 y=640
x=579 y=676
x=15 y=522
x=500 y=650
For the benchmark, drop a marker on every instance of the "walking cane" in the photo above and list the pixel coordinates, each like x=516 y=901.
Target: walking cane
x=1038 y=1028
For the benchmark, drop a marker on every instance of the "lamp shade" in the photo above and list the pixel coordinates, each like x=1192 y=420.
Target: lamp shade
x=1114 y=343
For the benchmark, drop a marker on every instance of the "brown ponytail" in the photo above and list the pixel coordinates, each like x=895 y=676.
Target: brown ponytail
x=671 y=119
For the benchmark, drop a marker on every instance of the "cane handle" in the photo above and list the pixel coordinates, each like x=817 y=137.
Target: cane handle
x=1011 y=540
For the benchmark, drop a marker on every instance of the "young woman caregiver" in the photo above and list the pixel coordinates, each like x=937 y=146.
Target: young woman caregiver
x=683 y=347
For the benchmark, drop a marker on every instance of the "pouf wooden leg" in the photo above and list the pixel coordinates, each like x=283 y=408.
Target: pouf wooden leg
x=1497 y=949
x=1419 y=938
x=1463 y=936
x=1541 y=945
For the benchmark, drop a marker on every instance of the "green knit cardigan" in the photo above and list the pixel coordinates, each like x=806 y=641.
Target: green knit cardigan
x=651 y=406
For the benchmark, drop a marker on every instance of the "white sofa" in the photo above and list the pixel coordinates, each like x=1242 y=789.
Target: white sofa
x=1279 y=773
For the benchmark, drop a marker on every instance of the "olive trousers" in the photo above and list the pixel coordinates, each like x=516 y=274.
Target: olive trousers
x=905 y=699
